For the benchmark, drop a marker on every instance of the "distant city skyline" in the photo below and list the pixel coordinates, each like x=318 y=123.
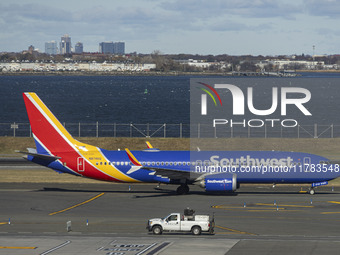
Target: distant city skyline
x=263 y=27
x=65 y=46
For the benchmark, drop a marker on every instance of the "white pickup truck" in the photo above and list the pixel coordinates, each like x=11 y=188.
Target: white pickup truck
x=182 y=223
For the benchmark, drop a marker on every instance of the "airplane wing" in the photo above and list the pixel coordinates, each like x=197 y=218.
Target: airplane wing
x=174 y=174
x=178 y=174
x=170 y=173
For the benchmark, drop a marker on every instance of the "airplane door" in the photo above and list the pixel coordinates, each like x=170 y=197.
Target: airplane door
x=306 y=164
x=81 y=164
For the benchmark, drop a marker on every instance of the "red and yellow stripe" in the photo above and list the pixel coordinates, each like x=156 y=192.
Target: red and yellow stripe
x=53 y=136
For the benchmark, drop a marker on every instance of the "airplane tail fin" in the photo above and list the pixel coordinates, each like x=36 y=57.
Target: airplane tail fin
x=49 y=134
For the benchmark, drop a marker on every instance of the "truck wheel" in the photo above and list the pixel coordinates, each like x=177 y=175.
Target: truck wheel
x=157 y=230
x=196 y=230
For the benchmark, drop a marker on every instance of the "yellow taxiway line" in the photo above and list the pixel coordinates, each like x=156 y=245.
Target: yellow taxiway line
x=332 y=202
x=235 y=231
x=13 y=247
x=74 y=206
x=303 y=206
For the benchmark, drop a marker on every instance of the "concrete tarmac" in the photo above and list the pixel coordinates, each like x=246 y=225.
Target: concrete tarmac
x=110 y=218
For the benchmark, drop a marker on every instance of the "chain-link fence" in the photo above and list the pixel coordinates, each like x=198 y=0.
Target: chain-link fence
x=179 y=130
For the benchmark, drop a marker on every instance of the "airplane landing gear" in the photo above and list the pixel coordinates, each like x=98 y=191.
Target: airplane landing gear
x=183 y=189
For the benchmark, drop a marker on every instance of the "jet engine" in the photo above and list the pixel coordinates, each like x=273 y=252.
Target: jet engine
x=223 y=182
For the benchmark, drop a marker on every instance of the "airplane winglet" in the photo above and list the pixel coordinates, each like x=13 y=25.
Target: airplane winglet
x=148 y=144
x=132 y=158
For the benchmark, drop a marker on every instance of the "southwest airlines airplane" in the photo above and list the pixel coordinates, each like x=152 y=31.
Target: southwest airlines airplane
x=215 y=171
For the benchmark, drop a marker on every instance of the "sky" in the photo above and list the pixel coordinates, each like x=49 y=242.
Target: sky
x=233 y=27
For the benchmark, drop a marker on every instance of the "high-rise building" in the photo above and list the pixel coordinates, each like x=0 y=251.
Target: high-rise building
x=31 y=49
x=51 y=48
x=106 y=47
x=78 y=48
x=65 y=44
x=119 y=48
